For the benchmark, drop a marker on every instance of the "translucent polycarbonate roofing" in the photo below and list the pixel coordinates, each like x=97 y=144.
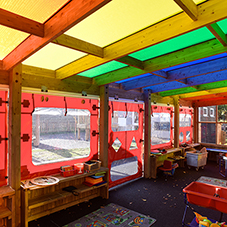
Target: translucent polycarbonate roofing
x=37 y=10
x=116 y=20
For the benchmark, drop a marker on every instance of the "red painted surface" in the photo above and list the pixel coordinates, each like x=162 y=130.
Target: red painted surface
x=3 y=134
x=30 y=170
x=125 y=138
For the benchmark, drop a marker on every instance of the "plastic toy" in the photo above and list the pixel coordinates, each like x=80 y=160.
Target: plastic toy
x=168 y=168
x=205 y=222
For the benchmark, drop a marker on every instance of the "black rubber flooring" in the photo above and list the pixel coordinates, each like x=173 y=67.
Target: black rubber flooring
x=159 y=198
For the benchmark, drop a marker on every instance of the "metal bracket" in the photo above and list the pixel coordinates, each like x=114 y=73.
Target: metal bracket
x=94 y=133
x=25 y=103
x=94 y=107
x=25 y=137
x=1 y=101
x=3 y=138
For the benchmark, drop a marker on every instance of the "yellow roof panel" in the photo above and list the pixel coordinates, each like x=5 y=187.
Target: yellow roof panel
x=10 y=39
x=53 y=56
x=119 y=19
x=38 y=10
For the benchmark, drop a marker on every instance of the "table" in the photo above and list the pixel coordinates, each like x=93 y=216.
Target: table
x=156 y=160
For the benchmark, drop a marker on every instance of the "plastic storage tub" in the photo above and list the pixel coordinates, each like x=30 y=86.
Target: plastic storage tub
x=205 y=195
x=196 y=159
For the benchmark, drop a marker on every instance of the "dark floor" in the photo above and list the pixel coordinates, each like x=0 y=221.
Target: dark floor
x=160 y=198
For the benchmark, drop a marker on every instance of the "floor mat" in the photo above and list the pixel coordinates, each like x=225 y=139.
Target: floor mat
x=113 y=215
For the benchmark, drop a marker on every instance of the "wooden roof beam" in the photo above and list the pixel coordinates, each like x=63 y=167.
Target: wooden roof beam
x=209 y=12
x=189 y=7
x=21 y=23
x=131 y=62
x=192 y=53
x=71 y=14
x=218 y=33
x=202 y=91
x=80 y=45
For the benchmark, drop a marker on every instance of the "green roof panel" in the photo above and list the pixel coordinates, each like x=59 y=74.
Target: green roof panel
x=223 y=25
x=178 y=91
x=180 y=42
x=102 y=69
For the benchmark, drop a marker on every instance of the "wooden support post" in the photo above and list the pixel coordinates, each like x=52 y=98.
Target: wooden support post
x=196 y=124
x=176 y=121
x=15 y=138
x=147 y=135
x=103 y=127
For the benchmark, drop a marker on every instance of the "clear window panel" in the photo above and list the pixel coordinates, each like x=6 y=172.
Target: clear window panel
x=222 y=113
x=123 y=168
x=160 y=128
x=207 y=114
x=56 y=137
x=185 y=120
x=223 y=133
x=124 y=121
x=188 y=135
x=181 y=137
x=207 y=132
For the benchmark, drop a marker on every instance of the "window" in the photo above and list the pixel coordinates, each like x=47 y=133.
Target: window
x=205 y=112
x=56 y=137
x=212 y=112
x=185 y=120
x=188 y=136
x=181 y=137
x=208 y=132
x=160 y=128
x=124 y=121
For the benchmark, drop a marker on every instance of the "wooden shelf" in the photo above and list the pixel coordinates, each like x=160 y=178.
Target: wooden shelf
x=6 y=191
x=55 y=196
x=40 y=201
x=5 y=212
x=61 y=207
x=46 y=199
x=26 y=184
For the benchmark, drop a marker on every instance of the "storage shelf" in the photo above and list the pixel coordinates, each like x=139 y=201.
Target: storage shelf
x=61 y=207
x=40 y=201
x=27 y=185
x=55 y=196
x=5 y=212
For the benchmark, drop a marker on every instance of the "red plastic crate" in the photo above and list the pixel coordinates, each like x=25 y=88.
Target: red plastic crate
x=205 y=195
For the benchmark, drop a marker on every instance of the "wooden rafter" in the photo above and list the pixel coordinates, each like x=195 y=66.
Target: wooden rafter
x=4 y=77
x=218 y=33
x=143 y=82
x=208 y=102
x=74 y=12
x=199 y=69
x=131 y=61
x=189 y=7
x=192 y=53
x=21 y=23
x=161 y=74
x=210 y=12
x=179 y=75
x=202 y=92
x=70 y=85
x=35 y=71
x=80 y=45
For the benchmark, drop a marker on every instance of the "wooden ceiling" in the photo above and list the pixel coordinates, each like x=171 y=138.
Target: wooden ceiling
x=181 y=55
